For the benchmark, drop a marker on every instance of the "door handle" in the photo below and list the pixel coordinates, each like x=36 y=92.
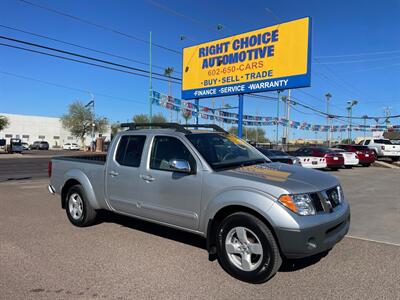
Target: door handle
x=113 y=173
x=147 y=178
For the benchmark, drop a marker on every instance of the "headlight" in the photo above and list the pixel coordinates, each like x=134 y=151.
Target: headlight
x=341 y=194
x=300 y=204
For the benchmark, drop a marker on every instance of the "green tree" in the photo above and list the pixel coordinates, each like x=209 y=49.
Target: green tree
x=3 y=122
x=254 y=134
x=168 y=72
x=143 y=118
x=115 y=128
x=78 y=120
x=187 y=115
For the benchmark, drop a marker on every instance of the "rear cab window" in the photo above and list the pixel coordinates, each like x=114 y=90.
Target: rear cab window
x=130 y=149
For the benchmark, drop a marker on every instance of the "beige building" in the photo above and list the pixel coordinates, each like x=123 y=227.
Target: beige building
x=39 y=128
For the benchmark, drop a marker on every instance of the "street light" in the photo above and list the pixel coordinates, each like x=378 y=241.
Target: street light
x=350 y=113
x=365 y=117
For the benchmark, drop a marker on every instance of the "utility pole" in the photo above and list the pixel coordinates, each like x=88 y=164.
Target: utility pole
x=288 y=118
x=328 y=120
x=350 y=115
x=365 y=117
x=151 y=84
x=277 y=117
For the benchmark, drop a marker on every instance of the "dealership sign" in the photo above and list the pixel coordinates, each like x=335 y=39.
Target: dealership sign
x=267 y=59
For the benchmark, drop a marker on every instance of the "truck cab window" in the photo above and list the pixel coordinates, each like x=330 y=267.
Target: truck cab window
x=130 y=150
x=166 y=148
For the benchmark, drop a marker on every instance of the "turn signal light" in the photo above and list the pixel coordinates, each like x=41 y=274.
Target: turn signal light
x=288 y=202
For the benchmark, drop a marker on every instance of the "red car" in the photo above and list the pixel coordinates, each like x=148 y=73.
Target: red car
x=333 y=159
x=365 y=155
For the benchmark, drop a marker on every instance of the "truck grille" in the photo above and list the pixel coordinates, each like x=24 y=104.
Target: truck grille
x=327 y=200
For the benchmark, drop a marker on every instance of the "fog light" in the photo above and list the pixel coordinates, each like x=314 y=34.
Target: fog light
x=311 y=244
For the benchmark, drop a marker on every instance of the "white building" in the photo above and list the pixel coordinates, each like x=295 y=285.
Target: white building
x=38 y=128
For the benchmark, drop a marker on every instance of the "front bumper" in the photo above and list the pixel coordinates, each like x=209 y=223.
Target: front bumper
x=312 y=240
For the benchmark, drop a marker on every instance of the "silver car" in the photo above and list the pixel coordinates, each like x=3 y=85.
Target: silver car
x=252 y=212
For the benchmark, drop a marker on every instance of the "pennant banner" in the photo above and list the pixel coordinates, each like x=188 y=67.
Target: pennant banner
x=208 y=113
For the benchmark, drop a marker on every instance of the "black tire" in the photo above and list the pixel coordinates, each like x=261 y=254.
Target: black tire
x=395 y=158
x=334 y=168
x=88 y=215
x=271 y=259
x=366 y=165
x=348 y=167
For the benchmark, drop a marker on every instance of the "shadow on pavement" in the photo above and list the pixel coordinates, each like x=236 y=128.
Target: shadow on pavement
x=291 y=265
x=155 y=229
x=288 y=265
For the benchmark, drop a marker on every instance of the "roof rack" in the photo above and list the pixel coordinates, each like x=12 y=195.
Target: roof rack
x=212 y=126
x=176 y=126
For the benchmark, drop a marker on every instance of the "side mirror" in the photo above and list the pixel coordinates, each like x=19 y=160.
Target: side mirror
x=180 y=165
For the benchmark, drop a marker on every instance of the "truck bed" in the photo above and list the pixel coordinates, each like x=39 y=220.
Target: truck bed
x=99 y=159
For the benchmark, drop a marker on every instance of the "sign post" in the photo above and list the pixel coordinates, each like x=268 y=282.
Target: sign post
x=240 y=117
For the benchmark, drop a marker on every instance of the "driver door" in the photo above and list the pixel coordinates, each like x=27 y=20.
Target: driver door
x=169 y=196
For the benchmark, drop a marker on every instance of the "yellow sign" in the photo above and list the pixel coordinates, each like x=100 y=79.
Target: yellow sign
x=271 y=58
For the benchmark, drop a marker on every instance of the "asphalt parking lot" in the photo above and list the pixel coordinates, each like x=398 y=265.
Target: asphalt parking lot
x=43 y=256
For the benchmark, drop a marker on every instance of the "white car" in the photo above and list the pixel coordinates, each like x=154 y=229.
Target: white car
x=350 y=158
x=70 y=146
x=383 y=148
x=313 y=162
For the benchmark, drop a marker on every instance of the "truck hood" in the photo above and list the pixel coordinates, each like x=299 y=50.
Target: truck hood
x=292 y=179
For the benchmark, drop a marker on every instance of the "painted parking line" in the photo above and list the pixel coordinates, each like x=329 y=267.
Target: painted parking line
x=372 y=240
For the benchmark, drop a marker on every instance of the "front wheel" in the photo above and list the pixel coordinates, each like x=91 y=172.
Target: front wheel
x=247 y=249
x=79 y=211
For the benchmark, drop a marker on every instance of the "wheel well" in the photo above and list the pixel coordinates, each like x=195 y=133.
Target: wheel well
x=222 y=214
x=66 y=187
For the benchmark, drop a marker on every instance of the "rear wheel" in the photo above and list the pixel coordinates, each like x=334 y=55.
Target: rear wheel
x=79 y=211
x=366 y=165
x=348 y=167
x=334 y=168
x=247 y=249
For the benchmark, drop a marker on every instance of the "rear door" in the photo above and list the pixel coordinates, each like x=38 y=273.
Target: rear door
x=169 y=196
x=122 y=174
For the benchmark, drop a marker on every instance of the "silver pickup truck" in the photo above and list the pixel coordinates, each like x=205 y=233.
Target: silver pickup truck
x=252 y=212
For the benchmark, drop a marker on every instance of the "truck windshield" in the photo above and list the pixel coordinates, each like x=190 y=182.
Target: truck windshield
x=224 y=151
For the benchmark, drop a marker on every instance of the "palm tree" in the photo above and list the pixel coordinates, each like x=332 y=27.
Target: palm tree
x=168 y=72
x=187 y=115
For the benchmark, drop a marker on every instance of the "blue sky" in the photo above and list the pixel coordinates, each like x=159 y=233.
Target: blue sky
x=355 y=50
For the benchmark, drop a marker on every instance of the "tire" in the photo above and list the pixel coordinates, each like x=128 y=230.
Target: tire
x=334 y=168
x=348 y=167
x=366 y=165
x=79 y=211
x=258 y=267
x=395 y=158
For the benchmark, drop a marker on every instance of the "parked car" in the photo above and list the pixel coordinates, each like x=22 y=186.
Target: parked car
x=279 y=156
x=350 y=158
x=70 y=146
x=334 y=160
x=15 y=146
x=312 y=162
x=365 y=155
x=25 y=146
x=383 y=148
x=40 y=145
x=251 y=211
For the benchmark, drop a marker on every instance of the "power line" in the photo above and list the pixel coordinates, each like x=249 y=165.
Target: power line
x=82 y=47
x=359 y=54
x=83 y=62
x=70 y=88
x=356 y=61
x=81 y=56
x=99 y=26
